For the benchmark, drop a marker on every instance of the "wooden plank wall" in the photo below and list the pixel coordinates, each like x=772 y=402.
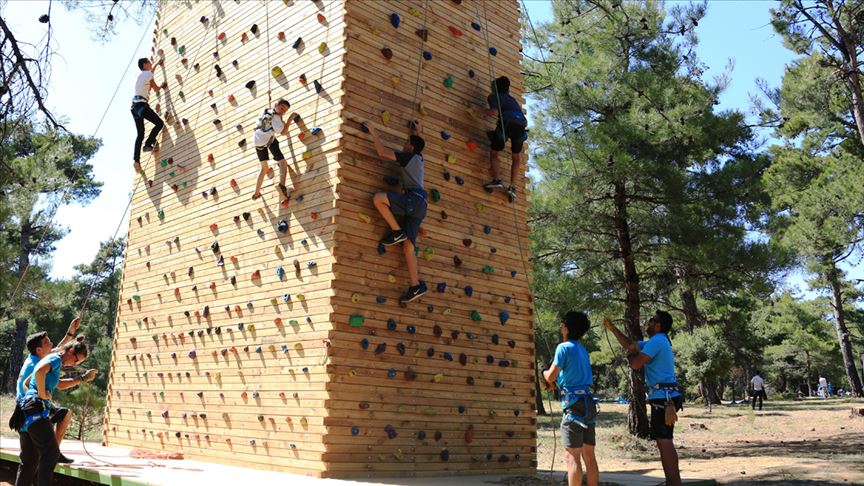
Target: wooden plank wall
x=419 y=411
x=255 y=392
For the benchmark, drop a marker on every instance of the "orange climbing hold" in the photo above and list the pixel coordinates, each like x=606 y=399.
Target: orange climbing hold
x=456 y=32
x=256 y=275
x=221 y=36
x=231 y=98
x=214 y=227
x=321 y=18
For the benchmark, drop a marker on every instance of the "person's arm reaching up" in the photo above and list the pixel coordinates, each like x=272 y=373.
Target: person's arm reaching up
x=382 y=151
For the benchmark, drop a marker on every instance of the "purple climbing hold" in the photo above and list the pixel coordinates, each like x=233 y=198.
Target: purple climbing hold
x=503 y=458
x=430 y=352
x=504 y=363
x=427 y=55
x=192 y=354
x=421 y=434
x=442 y=286
x=490 y=359
x=395 y=20
x=516 y=412
x=391 y=432
x=494 y=339
x=445 y=455
x=381 y=348
x=165 y=414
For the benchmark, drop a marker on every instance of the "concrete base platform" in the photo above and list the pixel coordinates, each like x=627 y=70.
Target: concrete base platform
x=113 y=466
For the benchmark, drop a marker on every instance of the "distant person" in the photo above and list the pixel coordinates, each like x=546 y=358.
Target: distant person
x=270 y=125
x=757 y=385
x=823 y=387
x=141 y=111
x=512 y=125
x=664 y=394
x=571 y=374
x=38 y=442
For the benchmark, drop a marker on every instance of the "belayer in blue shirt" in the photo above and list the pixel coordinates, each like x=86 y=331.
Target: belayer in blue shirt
x=571 y=374
x=656 y=356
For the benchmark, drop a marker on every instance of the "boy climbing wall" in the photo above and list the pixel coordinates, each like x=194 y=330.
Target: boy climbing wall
x=270 y=125
x=409 y=205
x=141 y=111
x=507 y=110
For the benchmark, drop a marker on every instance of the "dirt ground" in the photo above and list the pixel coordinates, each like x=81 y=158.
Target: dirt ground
x=806 y=442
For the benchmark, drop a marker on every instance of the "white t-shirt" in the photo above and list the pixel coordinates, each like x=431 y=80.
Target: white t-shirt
x=142 y=84
x=758 y=383
x=274 y=121
x=823 y=382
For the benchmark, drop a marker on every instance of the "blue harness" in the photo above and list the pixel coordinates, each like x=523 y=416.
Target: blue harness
x=30 y=419
x=666 y=387
x=569 y=399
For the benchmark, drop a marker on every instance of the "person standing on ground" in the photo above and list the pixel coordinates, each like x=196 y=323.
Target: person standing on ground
x=141 y=111
x=270 y=125
x=38 y=441
x=664 y=395
x=757 y=385
x=409 y=205
x=823 y=387
x=571 y=374
x=511 y=124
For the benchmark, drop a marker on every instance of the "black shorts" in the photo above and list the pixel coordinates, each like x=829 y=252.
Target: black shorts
x=411 y=209
x=659 y=429
x=514 y=131
x=274 y=149
x=573 y=435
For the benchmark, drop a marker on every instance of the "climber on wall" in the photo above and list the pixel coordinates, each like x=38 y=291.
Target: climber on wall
x=270 y=124
x=141 y=111
x=507 y=110
x=409 y=205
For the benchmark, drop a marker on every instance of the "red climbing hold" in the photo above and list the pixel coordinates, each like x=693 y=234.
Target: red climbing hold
x=234 y=183
x=281 y=36
x=321 y=18
x=456 y=32
x=302 y=79
x=244 y=37
x=214 y=227
x=221 y=36
x=469 y=434
x=314 y=216
x=423 y=34
x=211 y=158
x=387 y=53
x=472 y=145
x=256 y=275
x=231 y=98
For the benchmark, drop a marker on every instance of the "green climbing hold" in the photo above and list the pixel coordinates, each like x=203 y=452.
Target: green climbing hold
x=436 y=195
x=475 y=316
x=164 y=163
x=181 y=50
x=356 y=320
x=171 y=174
x=448 y=82
x=161 y=214
x=293 y=322
x=136 y=298
x=488 y=269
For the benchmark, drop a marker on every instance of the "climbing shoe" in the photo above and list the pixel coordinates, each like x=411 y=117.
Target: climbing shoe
x=394 y=237
x=494 y=184
x=284 y=191
x=413 y=293
x=65 y=460
x=511 y=194
x=148 y=148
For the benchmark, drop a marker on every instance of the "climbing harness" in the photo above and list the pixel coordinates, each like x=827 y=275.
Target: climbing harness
x=571 y=399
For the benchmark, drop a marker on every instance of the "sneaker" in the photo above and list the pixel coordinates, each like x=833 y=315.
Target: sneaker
x=394 y=237
x=147 y=148
x=284 y=191
x=494 y=184
x=65 y=460
x=511 y=194
x=137 y=167
x=413 y=293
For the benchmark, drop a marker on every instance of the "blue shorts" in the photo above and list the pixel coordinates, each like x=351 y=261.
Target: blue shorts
x=410 y=208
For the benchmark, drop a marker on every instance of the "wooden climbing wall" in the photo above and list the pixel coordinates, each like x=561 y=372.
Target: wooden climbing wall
x=266 y=370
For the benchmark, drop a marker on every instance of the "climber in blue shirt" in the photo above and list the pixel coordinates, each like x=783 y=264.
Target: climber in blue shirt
x=571 y=373
x=512 y=125
x=664 y=395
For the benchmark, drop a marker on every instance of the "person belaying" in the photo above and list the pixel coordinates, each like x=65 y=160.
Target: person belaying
x=40 y=345
x=141 y=111
x=270 y=125
x=409 y=205
x=39 y=445
x=571 y=374
x=664 y=395
x=512 y=125
x=757 y=390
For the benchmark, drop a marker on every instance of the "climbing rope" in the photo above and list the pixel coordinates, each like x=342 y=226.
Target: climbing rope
x=267 y=11
x=419 y=60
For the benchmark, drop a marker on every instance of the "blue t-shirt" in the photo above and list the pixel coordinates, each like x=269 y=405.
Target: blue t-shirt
x=52 y=378
x=661 y=368
x=575 y=366
x=508 y=108
x=26 y=370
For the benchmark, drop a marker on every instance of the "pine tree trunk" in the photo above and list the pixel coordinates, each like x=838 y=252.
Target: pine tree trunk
x=637 y=417
x=538 y=392
x=843 y=335
x=16 y=356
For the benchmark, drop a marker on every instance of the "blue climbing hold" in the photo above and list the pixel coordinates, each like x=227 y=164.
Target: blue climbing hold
x=445 y=135
x=448 y=356
x=381 y=249
x=430 y=308
x=421 y=434
x=494 y=339
x=280 y=272
x=318 y=87
x=487 y=229
x=498 y=384
x=427 y=55
x=298 y=198
x=355 y=430
x=381 y=348
x=391 y=324
x=364 y=128
x=460 y=180
x=284 y=348
x=503 y=316
x=395 y=20
x=304 y=242
x=470 y=335
x=442 y=286
x=475 y=26
x=312 y=264
x=391 y=373
x=493 y=250
x=461 y=408
x=286 y=298
x=513 y=273
x=507 y=299
x=364 y=343
x=391 y=432
x=255 y=394
x=493 y=51
x=380 y=299
x=258 y=349
x=490 y=359
x=504 y=363
x=411 y=329
x=471 y=73
x=316 y=131
x=446 y=175
x=282 y=226
x=469 y=291
x=305 y=369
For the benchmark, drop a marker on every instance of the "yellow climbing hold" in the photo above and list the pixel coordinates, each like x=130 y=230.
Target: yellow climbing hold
x=355 y=297
x=276 y=71
x=374 y=29
x=451 y=158
x=438 y=377
x=394 y=80
x=261 y=211
x=304 y=422
x=493 y=413
x=307 y=155
x=480 y=207
x=421 y=109
x=385 y=117
x=271 y=348
x=413 y=11
x=470 y=111
x=322 y=47
x=429 y=253
x=352 y=372
x=278 y=250
x=298 y=347
x=429 y=411
x=447 y=311
x=391 y=278
x=364 y=217
x=273 y=301
x=398 y=455
x=301 y=297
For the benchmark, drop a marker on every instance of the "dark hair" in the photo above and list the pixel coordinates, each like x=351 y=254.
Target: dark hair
x=577 y=324
x=141 y=62
x=664 y=319
x=502 y=84
x=756 y=372
x=283 y=101
x=35 y=340
x=78 y=347
x=417 y=142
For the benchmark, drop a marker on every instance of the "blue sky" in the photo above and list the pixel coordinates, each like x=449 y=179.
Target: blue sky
x=85 y=74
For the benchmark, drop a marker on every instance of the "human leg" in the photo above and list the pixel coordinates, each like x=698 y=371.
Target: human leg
x=497 y=141
x=29 y=458
x=574 y=467
x=148 y=114
x=381 y=200
x=663 y=434
x=669 y=458
x=411 y=262
x=517 y=136
x=42 y=434
x=761 y=396
x=62 y=426
x=139 y=128
x=592 y=471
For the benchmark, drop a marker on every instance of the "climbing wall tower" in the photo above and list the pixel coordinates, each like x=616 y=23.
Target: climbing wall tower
x=267 y=333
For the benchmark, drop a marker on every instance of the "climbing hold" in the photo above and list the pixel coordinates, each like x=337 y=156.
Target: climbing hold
x=513 y=273
x=280 y=273
x=385 y=117
x=231 y=98
x=297 y=43
x=322 y=47
x=281 y=36
x=438 y=377
x=469 y=290
x=495 y=339
x=456 y=32
x=457 y=261
x=254 y=29
x=503 y=316
x=471 y=144
x=256 y=275
x=355 y=430
x=355 y=297
x=475 y=316
x=391 y=373
x=318 y=87
x=436 y=195
x=395 y=20
x=448 y=81
x=282 y=226
x=442 y=286
x=411 y=329
x=276 y=71
x=493 y=51
x=356 y=320
x=429 y=253
x=380 y=299
x=321 y=18
x=487 y=229
x=391 y=324
x=445 y=135
x=381 y=348
x=469 y=434
x=471 y=73
x=475 y=26
x=423 y=34
x=427 y=55
x=451 y=159
x=250 y=84
x=445 y=454
x=244 y=37
x=488 y=269
x=364 y=217
x=192 y=354
x=391 y=432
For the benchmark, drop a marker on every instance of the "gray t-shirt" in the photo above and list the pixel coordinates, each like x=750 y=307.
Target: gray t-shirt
x=411 y=175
